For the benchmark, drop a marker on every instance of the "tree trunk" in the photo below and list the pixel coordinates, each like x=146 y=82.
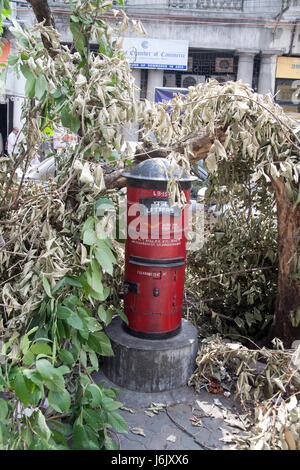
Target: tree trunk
x=288 y=246
x=42 y=12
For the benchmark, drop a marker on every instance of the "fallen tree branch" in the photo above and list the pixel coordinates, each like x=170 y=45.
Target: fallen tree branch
x=200 y=146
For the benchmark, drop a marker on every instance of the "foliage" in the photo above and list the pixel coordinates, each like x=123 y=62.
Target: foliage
x=56 y=260
x=5 y=11
x=260 y=141
x=236 y=268
x=269 y=379
x=255 y=156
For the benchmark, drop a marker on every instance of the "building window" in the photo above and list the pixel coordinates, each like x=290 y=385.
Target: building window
x=144 y=82
x=221 y=66
x=288 y=94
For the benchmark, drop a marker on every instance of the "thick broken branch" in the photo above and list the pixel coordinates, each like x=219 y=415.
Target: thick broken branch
x=199 y=145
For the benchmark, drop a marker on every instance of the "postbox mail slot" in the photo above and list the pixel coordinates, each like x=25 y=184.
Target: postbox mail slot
x=157 y=263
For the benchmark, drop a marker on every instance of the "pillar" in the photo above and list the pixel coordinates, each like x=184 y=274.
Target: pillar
x=267 y=72
x=155 y=79
x=245 y=66
x=136 y=73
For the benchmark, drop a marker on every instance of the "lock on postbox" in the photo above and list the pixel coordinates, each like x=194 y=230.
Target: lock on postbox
x=155 y=251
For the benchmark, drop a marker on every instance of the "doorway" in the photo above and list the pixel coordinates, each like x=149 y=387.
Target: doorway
x=6 y=121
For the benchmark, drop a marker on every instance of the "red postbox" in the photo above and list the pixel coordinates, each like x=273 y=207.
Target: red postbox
x=155 y=250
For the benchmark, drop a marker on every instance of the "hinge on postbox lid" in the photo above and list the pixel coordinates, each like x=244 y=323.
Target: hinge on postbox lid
x=130 y=286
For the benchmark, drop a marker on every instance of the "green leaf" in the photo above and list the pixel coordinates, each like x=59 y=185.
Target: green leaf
x=41 y=348
x=104 y=247
x=81 y=439
x=105 y=315
x=79 y=39
x=72 y=281
x=46 y=286
x=21 y=389
x=60 y=401
x=7 y=345
x=104 y=260
x=92 y=324
x=110 y=404
x=40 y=87
x=89 y=224
x=45 y=368
x=110 y=444
x=83 y=357
x=96 y=395
x=28 y=358
x=89 y=237
x=3 y=409
x=12 y=59
x=34 y=377
x=26 y=71
x=55 y=383
x=100 y=343
x=104 y=47
x=69 y=121
x=45 y=431
x=75 y=321
x=72 y=300
x=94 y=360
x=53 y=378
x=94 y=277
x=56 y=93
x=6 y=11
x=93 y=419
x=102 y=205
x=117 y=422
x=63 y=312
x=66 y=357
x=122 y=315
x=30 y=86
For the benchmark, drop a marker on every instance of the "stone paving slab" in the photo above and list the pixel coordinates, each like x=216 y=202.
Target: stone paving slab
x=172 y=429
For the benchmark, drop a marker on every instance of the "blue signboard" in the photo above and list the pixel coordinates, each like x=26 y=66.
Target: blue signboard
x=166 y=94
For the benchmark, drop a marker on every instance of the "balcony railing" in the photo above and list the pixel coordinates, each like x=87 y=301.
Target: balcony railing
x=219 y=5
x=182 y=4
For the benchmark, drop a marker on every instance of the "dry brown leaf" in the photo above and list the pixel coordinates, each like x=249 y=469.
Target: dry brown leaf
x=171 y=438
x=138 y=431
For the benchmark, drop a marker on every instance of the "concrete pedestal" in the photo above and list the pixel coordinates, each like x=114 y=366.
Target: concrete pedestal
x=146 y=365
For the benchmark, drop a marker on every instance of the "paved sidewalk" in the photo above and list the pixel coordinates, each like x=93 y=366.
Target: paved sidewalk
x=177 y=420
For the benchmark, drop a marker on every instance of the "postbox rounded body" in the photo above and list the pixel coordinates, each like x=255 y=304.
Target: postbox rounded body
x=155 y=251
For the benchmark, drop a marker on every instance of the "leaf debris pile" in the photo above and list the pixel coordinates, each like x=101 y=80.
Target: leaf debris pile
x=267 y=383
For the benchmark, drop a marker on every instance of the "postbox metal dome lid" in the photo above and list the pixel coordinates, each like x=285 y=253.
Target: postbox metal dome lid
x=158 y=169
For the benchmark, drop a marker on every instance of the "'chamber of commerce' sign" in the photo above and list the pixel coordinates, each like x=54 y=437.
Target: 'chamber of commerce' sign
x=156 y=53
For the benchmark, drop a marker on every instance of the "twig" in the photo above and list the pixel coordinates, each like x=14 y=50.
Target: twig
x=27 y=226
x=263 y=268
x=187 y=432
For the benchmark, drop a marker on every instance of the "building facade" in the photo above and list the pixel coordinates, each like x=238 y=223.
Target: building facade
x=256 y=41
